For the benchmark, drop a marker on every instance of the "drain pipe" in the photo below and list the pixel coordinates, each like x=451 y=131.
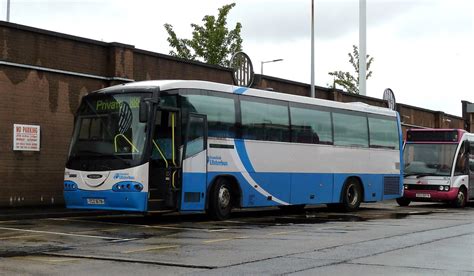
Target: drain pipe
x=64 y=72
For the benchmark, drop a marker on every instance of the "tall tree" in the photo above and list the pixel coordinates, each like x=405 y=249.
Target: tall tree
x=346 y=79
x=211 y=42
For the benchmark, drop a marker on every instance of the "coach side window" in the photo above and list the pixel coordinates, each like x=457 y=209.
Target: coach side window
x=220 y=113
x=350 y=129
x=383 y=133
x=310 y=126
x=265 y=121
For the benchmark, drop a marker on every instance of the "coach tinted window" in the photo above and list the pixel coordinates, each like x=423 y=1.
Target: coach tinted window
x=265 y=121
x=310 y=126
x=220 y=112
x=350 y=129
x=384 y=133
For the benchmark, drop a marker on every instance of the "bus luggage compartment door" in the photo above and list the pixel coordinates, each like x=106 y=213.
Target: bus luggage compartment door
x=194 y=164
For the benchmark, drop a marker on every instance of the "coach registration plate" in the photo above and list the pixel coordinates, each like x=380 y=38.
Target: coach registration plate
x=423 y=195
x=95 y=201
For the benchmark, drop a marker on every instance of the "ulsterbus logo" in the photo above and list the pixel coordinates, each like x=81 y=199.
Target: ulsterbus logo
x=123 y=176
x=217 y=161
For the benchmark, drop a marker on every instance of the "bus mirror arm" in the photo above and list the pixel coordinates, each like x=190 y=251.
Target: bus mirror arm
x=143 y=111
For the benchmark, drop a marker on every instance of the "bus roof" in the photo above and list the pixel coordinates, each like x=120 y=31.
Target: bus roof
x=213 y=86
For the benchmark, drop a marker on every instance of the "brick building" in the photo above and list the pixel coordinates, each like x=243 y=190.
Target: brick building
x=44 y=74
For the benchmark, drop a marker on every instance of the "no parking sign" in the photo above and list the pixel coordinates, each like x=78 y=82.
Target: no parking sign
x=26 y=137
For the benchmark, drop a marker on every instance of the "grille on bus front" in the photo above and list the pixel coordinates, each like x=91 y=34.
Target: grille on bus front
x=391 y=185
x=423 y=187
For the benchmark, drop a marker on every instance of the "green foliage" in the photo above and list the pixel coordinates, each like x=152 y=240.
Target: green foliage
x=211 y=42
x=346 y=79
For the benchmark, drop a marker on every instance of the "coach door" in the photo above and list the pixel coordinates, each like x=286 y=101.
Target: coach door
x=194 y=164
x=164 y=161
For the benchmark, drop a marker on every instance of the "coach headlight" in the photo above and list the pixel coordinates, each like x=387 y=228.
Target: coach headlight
x=446 y=188
x=127 y=186
x=405 y=187
x=441 y=188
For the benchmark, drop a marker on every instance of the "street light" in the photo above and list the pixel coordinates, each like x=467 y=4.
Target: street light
x=261 y=64
x=8 y=10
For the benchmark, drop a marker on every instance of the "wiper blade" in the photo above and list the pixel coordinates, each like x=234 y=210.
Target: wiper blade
x=419 y=175
x=409 y=174
x=423 y=175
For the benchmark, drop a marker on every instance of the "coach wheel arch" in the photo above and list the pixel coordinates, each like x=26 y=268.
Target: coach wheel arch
x=352 y=194
x=235 y=190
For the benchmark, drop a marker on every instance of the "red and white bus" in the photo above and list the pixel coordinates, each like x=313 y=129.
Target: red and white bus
x=438 y=166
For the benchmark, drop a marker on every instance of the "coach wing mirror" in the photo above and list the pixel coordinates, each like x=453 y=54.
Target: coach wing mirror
x=143 y=111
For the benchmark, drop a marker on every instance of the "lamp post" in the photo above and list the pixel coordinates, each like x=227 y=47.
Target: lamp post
x=312 y=93
x=362 y=47
x=268 y=61
x=8 y=10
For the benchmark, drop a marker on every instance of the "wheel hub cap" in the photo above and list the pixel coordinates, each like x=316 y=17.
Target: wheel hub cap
x=224 y=197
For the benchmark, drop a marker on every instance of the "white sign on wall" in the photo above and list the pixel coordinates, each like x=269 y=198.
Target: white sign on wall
x=26 y=137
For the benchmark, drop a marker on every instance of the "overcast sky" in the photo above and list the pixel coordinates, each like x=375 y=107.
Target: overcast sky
x=423 y=49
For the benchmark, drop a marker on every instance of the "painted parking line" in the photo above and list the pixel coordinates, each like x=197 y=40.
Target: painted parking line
x=63 y=234
x=144 y=249
x=219 y=230
x=225 y=239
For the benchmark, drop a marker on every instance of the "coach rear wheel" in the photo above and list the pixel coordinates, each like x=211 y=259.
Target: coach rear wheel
x=220 y=204
x=403 y=201
x=351 y=195
x=461 y=199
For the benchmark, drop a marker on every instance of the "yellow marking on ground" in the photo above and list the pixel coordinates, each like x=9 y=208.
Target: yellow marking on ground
x=46 y=259
x=166 y=226
x=226 y=239
x=235 y=221
x=283 y=233
x=179 y=228
x=8 y=221
x=61 y=234
x=150 y=249
x=95 y=230
x=20 y=237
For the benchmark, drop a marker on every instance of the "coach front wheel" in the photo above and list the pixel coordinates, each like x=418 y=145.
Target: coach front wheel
x=220 y=204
